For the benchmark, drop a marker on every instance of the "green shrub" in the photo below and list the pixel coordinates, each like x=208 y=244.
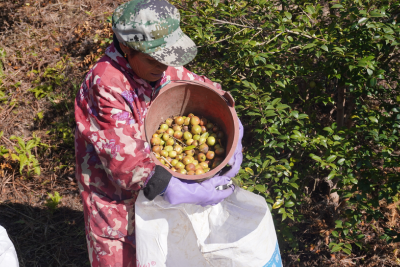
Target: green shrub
x=317 y=87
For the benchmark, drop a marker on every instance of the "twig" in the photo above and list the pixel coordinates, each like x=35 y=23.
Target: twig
x=271 y=39
x=4 y=183
x=305 y=35
x=179 y=141
x=236 y=24
x=164 y=159
x=225 y=38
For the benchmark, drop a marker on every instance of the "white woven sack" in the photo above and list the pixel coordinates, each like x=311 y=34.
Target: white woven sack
x=8 y=255
x=238 y=232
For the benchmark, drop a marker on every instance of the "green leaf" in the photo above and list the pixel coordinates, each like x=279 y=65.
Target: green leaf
x=336 y=248
x=309 y=46
x=335 y=233
x=288 y=15
x=362 y=20
x=348 y=245
x=331 y=158
x=281 y=84
x=337 y=6
x=372 y=82
x=260 y=188
x=373 y=119
x=346 y=251
x=341 y=161
x=188 y=148
x=278 y=203
x=332 y=174
x=324 y=47
x=376 y=14
x=370 y=72
x=249 y=170
x=289 y=204
x=205 y=135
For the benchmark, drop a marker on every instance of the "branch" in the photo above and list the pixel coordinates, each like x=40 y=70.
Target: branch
x=224 y=38
x=236 y=24
x=305 y=35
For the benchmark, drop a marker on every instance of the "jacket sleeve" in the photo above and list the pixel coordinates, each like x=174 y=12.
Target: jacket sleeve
x=181 y=73
x=106 y=121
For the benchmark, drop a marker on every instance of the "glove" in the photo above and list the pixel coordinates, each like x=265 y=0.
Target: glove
x=237 y=157
x=177 y=191
x=203 y=194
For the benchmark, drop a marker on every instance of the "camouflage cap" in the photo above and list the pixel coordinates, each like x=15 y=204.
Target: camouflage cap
x=152 y=27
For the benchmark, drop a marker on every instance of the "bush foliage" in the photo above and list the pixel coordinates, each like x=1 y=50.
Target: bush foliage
x=317 y=88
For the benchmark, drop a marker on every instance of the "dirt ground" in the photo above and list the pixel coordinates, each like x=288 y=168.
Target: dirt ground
x=49 y=46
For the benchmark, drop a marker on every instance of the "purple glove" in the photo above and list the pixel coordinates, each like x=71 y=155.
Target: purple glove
x=237 y=157
x=192 y=192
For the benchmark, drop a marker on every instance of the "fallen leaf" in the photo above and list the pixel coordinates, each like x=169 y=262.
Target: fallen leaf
x=57 y=49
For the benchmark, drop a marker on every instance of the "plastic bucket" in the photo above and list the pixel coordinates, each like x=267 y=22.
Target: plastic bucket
x=184 y=97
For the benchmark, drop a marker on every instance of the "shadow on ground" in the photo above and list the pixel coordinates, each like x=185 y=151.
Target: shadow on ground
x=45 y=239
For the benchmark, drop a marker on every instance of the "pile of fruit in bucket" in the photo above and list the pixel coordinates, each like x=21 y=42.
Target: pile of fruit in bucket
x=189 y=144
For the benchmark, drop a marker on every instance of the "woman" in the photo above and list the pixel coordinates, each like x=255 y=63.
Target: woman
x=112 y=156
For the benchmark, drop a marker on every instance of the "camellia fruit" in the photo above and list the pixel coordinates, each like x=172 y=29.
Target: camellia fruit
x=180 y=165
x=163 y=127
x=178 y=134
x=220 y=151
x=196 y=129
x=179 y=120
x=211 y=140
x=172 y=154
x=182 y=171
x=195 y=120
x=170 y=131
x=199 y=171
x=187 y=160
x=178 y=149
x=157 y=149
x=206 y=140
x=186 y=121
x=189 y=142
x=190 y=167
x=210 y=155
x=202 y=140
x=203 y=148
x=201 y=157
x=177 y=128
x=203 y=121
x=165 y=137
x=169 y=121
x=187 y=136
x=204 y=165
x=170 y=142
x=155 y=141
x=168 y=148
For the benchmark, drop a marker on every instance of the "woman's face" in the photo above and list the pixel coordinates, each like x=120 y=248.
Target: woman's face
x=143 y=65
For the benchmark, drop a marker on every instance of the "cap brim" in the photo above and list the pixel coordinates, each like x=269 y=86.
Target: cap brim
x=179 y=54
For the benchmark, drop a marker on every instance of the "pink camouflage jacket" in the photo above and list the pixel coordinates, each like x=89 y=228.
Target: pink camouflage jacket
x=112 y=157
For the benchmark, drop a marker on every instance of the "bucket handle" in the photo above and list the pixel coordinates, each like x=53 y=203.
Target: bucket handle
x=225 y=94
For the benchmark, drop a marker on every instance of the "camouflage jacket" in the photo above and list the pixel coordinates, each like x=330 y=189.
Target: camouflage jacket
x=112 y=156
